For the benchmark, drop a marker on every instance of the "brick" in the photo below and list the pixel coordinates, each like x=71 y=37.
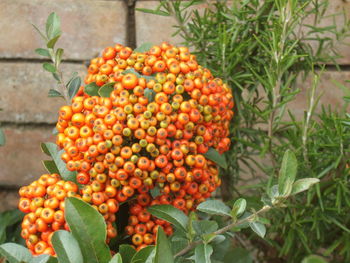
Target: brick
x=9 y=200
x=21 y=156
x=24 y=88
x=153 y=28
x=87 y=26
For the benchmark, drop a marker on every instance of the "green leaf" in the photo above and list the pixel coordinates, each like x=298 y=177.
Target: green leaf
x=216 y=157
x=51 y=167
x=58 y=58
x=2 y=138
x=40 y=33
x=214 y=207
x=154 y=12
x=42 y=52
x=238 y=207
x=170 y=214
x=126 y=252
x=144 y=47
x=89 y=229
x=53 y=26
x=15 y=253
x=302 y=185
x=43 y=259
x=52 y=42
x=133 y=71
x=73 y=87
x=258 y=228
x=8 y=218
x=52 y=150
x=117 y=258
x=49 y=67
x=91 y=89
x=142 y=255
x=240 y=255
x=66 y=247
x=149 y=94
x=54 y=93
x=287 y=173
x=202 y=253
x=106 y=90
x=163 y=251
x=204 y=226
x=313 y=259
x=155 y=192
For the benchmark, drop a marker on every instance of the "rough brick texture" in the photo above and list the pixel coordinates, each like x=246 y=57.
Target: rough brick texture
x=87 y=26
x=21 y=156
x=24 y=88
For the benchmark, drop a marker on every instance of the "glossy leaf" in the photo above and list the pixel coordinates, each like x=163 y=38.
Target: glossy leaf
x=117 y=258
x=216 y=157
x=204 y=226
x=170 y=214
x=302 y=185
x=214 y=207
x=2 y=137
x=142 y=255
x=258 y=228
x=202 y=253
x=106 y=90
x=144 y=47
x=126 y=252
x=238 y=207
x=43 y=259
x=163 y=251
x=91 y=89
x=287 y=173
x=52 y=150
x=73 y=87
x=89 y=229
x=15 y=253
x=54 y=93
x=42 y=52
x=66 y=247
x=51 y=167
x=53 y=25
x=49 y=67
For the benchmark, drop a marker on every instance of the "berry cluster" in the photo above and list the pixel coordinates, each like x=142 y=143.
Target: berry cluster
x=151 y=133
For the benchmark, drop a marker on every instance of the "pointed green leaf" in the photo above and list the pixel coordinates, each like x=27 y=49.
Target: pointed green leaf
x=216 y=157
x=287 y=173
x=15 y=253
x=238 y=207
x=42 y=52
x=302 y=185
x=170 y=214
x=106 y=90
x=51 y=167
x=163 y=251
x=53 y=25
x=73 y=87
x=214 y=207
x=52 y=150
x=2 y=137
x=117 y=258
x=202 y=253
x=144 y=47
x=58 y=57
x=91 y=89
x=54 y=93
x=40 y=33
x=49 y=67
x=89 y=229
x=154 y=12
x=52 y=42
x=142 y=255
x=258 y=228
x=66 y=247
x=126 y=252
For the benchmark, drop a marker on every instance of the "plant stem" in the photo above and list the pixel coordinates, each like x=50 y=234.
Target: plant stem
x=223 y=230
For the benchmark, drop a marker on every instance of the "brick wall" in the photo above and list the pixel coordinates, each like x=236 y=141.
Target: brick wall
x=28 y=116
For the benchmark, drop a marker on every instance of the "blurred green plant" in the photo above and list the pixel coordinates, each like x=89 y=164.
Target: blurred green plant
x=261 y=48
